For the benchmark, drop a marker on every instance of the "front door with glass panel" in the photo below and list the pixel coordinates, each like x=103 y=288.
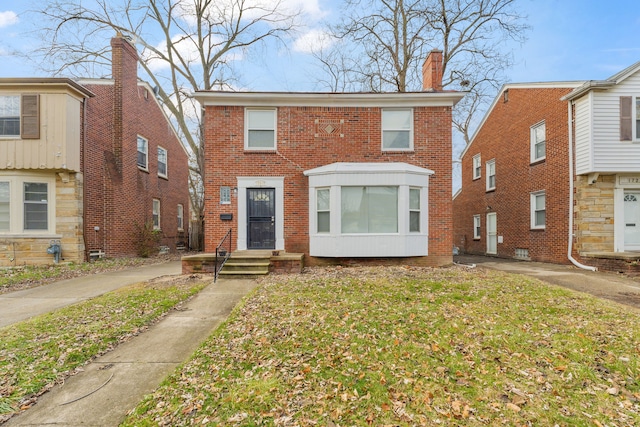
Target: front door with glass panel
x=261 y=211
x=632 y=220
x=492 y=234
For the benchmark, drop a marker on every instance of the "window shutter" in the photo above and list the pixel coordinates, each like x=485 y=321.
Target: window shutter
x=626 y=121
x=30 y=117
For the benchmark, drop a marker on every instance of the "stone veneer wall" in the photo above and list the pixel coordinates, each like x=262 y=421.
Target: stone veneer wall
x=18 y=251
x=593 y=221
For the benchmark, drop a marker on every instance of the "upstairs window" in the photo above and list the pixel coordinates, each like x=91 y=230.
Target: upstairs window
x=260 y=129
x=162 y=162
x=10 y=115
x=538 y=142
x=397 y=129
x=143 y=153
x=20 y=116
x=477 y=166
x=491 y=175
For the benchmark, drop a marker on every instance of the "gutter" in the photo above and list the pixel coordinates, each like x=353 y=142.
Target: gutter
x=570 y=240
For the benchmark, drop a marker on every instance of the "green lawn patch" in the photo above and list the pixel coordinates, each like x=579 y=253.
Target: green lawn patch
x=407 y=347
x=36 y=354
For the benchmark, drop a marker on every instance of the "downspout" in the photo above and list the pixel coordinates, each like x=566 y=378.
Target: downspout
x=570 y=245
x=83 y=171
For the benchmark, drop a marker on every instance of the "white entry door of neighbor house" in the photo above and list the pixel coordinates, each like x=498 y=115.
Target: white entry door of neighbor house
x=632 y=220
x=492 y=233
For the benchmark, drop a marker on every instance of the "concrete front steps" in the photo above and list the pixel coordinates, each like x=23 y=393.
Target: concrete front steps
x=245 y=263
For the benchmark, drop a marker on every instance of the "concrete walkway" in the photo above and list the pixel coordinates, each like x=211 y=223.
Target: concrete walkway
x=21 y=305
x=115 y=383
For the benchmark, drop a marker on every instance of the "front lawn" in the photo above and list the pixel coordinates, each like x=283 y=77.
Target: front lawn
x=38 y=353
x=406 y=347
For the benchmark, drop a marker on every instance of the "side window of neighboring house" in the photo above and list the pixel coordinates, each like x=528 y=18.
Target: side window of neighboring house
x=20 y=116
x=143 y=153
x=629 y=118
x=180 y=217
x=491 y=175
x=477 y=166
x=476 y=227
x=538 y=142
x=156 y=214
x=538 y=210
x=260 y=129
x=162 y=162
x=397 y=129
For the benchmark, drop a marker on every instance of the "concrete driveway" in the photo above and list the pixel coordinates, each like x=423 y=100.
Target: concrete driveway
x=612 y=286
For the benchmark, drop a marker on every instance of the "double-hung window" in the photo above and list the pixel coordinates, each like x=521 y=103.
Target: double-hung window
x=476 y=227
x=491 y=175
x=156 y=214
x=180 y=217
x=477 y=166
x=143 y=153
x=162 y=162
x=538 y=210
x=260 y=129
x=414 y=210
x=538 y=142
x=397 y=129
x=10 y=115
x=36 y=196
x=27 y=204
x=323 y=204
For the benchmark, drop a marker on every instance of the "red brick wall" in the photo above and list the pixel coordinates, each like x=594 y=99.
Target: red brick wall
x=118 y=195
x=505 y=136
x=299 y=149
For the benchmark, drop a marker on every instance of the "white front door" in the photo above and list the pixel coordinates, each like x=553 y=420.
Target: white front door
x=492 y=234
x=632 y=220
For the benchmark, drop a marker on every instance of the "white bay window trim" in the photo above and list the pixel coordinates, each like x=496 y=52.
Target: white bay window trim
x=401 y=242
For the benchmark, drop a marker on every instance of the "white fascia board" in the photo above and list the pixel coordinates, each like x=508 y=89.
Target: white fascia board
x=363 y=168
x=320 y=99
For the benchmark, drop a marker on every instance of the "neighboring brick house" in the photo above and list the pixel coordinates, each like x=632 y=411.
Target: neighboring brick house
x=514 y=199
x=335 y=176
x=554 y=160
x=68 y=166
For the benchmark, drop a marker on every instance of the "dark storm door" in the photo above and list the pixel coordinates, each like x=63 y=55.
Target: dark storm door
x=261 y=211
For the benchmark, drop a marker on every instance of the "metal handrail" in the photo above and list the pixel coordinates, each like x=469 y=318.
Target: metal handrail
x=222 y=253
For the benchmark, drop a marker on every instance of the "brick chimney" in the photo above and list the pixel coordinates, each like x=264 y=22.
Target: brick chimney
x=432 y=71
x=124 y=72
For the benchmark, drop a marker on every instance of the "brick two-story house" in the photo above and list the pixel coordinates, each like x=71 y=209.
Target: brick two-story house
x=334 y=176
x=553 y=174
x=83 y=163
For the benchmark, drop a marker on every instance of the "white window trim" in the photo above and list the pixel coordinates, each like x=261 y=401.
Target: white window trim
x=154 y=203
x=533 y=210
x=180 y=217
x=488 y=165
x=246 y=129
x=401 y=243
x=415 y=210
x=477 y=227
x=324 y=210
x=16 y=205
x=146 y=166
x=382 y=129
x=166 y=162
x=532 y=143
x=477 y=166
